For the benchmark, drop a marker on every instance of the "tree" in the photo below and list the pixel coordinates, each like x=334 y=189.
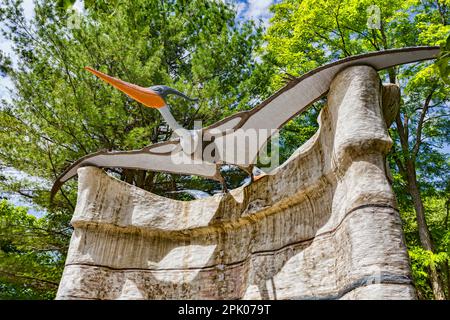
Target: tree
x=58 y=112
x=32 y=253
x=443 y=62
x=437 y=219
x=305 y=34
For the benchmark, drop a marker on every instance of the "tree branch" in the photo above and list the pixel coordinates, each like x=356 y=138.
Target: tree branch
x=441 y=10
x=402 y=134
x=421 y=122
x=56 y=175
x=344 y=46
x=398 y=162
x=14 y=275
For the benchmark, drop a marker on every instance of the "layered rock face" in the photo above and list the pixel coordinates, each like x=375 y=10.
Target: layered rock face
x=324 y=225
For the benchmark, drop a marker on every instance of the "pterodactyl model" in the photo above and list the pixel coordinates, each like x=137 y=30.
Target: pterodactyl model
x=202 y=152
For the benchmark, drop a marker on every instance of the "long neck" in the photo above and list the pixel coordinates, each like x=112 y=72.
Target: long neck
x=170 y=120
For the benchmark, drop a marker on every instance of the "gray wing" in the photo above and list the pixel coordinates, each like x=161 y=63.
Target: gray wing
x=295 y=98
x=271 y=114
x=162 y=157
x=300 y=93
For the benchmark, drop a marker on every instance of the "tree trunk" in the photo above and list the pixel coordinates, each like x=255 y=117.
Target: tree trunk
x=447 y=263
x=424 y=233
x=447 y=275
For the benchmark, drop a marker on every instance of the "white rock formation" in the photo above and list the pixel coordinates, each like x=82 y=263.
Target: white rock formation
x=323 y=226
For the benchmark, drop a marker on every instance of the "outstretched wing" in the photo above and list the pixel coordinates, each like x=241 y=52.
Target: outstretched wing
x=163 y=157
x=296 y=97
x=271 y=114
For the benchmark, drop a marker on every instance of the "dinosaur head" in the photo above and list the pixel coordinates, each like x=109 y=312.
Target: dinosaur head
x=164 y=91
x=152 y=97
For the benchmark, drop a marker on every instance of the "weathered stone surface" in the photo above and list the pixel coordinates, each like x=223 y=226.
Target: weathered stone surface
x=324 y=225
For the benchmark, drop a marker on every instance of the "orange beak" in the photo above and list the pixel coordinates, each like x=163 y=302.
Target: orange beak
x=145 y=96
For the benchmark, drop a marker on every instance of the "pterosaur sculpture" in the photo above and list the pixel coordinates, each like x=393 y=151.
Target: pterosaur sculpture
x=202 y=152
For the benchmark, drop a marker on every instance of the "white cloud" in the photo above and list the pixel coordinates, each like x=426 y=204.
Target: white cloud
x=28 y=9
x=254 y=9
x=259 y=9
x=78 y=5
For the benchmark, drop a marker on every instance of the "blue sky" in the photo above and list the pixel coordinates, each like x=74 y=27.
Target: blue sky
x=255 y=9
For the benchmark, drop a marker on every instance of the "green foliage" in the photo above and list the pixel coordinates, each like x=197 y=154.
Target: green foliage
x=437 y=208
x=60 y=112
x=308 y=33
x=443 y=63
x=65 y=4
x=32 y=253
x=421 y=259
